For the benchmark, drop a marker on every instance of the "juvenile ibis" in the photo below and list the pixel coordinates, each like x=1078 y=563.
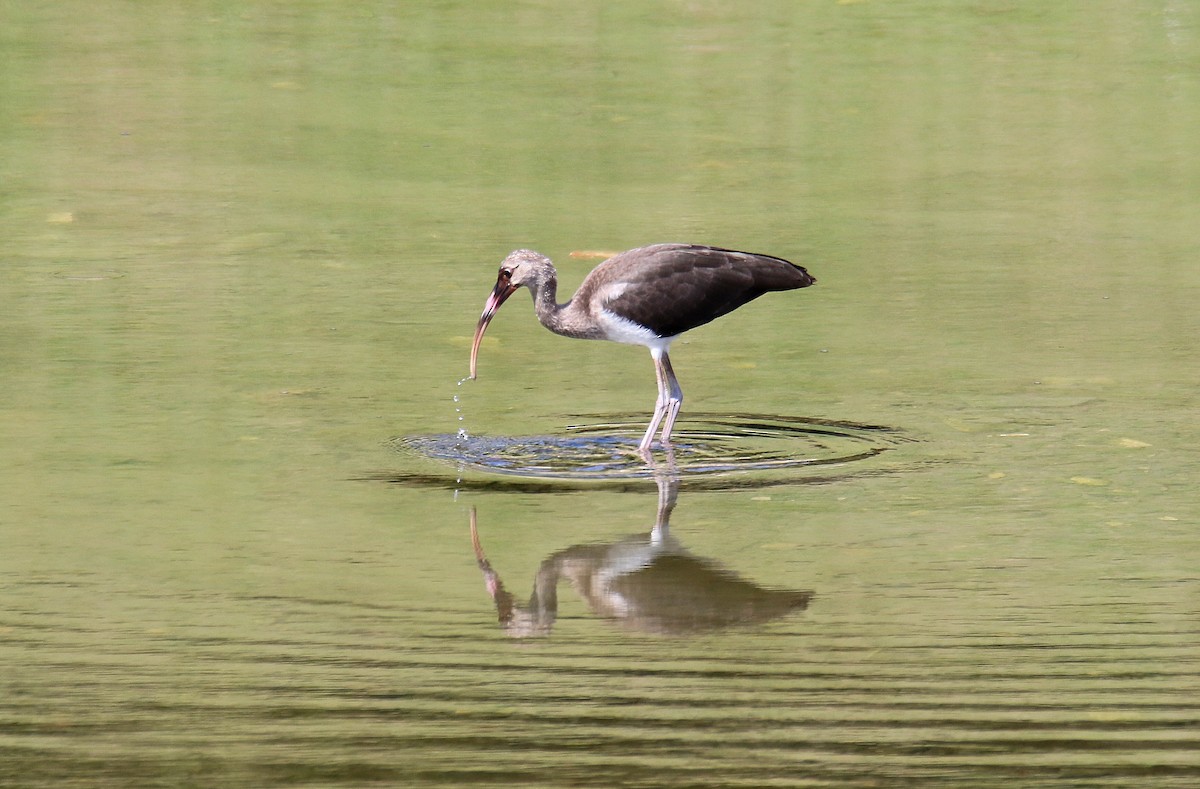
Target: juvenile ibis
x=645 y=296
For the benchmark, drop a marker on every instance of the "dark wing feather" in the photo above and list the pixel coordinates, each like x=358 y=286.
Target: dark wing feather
x=677 y=287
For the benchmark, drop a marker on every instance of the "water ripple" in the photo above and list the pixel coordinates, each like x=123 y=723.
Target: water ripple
x=706 y=445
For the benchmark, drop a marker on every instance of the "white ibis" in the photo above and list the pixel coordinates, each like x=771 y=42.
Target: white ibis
x=645 y=296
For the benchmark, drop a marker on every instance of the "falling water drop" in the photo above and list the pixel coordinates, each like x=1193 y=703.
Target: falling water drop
x=462 y=431
x=462 y=435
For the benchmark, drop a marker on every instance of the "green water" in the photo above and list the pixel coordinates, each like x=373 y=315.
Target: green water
x=243 y=249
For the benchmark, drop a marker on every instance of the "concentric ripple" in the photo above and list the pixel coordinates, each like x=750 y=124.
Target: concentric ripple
x=706 y=444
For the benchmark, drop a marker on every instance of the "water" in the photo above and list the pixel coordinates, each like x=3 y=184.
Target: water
x=243 y=253
x=732 y=446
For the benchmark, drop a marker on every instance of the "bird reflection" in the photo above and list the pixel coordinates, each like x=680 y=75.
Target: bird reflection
x=648 y=583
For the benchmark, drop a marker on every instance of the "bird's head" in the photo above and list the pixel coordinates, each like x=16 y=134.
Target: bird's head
x=523 y=267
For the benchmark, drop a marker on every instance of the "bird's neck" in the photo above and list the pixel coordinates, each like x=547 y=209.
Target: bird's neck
x=558 y=318
x=545 y=302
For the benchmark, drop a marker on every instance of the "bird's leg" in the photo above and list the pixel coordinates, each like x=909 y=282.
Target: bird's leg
x=660 y=406
x=674 y=396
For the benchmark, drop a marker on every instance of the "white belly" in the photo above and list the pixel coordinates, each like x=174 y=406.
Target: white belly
x=620 y=329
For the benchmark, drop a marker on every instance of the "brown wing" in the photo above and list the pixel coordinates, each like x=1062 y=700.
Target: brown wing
x=676 y=287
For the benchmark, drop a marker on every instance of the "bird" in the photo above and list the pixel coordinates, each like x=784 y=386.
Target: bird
x=645 y=296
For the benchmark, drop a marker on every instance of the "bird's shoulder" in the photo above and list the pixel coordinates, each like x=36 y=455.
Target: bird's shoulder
x=673 y=265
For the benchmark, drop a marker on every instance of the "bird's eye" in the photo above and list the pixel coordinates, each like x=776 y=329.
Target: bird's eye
x=505 y=274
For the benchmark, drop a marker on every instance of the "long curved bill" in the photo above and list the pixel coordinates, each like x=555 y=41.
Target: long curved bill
x=501 y=292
